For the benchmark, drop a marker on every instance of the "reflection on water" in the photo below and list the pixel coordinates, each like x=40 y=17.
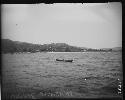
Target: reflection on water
x=38 y=75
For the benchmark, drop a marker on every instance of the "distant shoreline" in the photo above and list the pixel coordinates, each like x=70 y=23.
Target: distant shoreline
x=56 y=52
x=9 y=46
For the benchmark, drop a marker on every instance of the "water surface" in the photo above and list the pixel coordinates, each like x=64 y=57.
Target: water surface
x=39 y=75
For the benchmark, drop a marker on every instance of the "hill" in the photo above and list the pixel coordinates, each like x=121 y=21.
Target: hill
x=117 y=49
x=113 y=49
x=16 y=46
x=9 y=46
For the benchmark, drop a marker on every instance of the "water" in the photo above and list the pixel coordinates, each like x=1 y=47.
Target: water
x=39 y=75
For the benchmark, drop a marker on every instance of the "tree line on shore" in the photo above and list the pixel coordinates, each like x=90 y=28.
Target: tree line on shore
x=9 y=46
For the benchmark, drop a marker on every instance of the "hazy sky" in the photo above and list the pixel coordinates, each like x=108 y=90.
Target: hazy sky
x=85 y=25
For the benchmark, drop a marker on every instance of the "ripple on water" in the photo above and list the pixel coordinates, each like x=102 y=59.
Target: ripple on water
x=111 y=88
x=77 y=88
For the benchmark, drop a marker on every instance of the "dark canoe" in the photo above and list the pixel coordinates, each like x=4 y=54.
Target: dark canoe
x=64 y=60
x=68 y=60
x=59 y=59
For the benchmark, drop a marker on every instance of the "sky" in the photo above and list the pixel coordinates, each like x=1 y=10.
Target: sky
x=93 y=25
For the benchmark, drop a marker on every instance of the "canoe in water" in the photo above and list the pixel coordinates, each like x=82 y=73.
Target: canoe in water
x=64 y=60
